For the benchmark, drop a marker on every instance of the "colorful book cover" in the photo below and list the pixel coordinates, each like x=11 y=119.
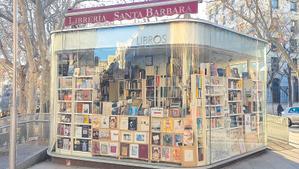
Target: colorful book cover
x=165 y=154
x=178 y=139
x=168 y=125
x=174 y=112
x=85 y=131
x=96 y=121
x=112 y=122
x=140 y=137
x=124 y=150
x=104 y=135
x=188 y=138
x=113 y=148
x=79 y=107
x=177 y=154
x=156 y=124
x=156 y=112
x=78 y=132
x=95 y=133
x=85 y=108
x=105 y=122
x=104 y=148
x=156 y=138
x=134 y=151
x=143 y=151
x=132 y=123
x=95 y=150
x=143 y=123
x=178 y=125
x=114 y=135
x=167 y=139
x=156 y=153
x=124 y=123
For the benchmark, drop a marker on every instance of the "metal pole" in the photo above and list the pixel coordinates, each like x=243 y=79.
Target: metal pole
x=13 y=119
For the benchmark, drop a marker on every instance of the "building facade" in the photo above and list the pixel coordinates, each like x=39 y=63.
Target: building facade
x=278 y=87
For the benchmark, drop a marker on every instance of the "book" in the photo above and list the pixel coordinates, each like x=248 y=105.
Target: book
x=127 y=136
x=95 y=150
x=114 y=135
x=132 y=123
x=104 y=135
x=124 y=149
x=188 y=138
x=156 y=138
x=113 y=122
x=167 y=125
x=156 y=112
x=95 y=133
x=77 y=145
x=143 y=124
x=156 y=124
x=113 y=149
x=95 y=121
x=166 y=154
x=85 y=131
x=143 y=151
x=79 y=107
x=124 y=123
x=86 y=108
x=177 y=154
x=84 y=145
x=105 y=122
x=134 y=151
x=156 y=153
x=60 y=143
x=78 y=132
x=66 y=144
x=140 y=137
x=104 y=148
x=178 y=140
x=167 y=139
x=178 y=125
x=174 y=112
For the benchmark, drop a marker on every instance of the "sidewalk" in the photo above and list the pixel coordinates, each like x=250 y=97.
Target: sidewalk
x=27 y=154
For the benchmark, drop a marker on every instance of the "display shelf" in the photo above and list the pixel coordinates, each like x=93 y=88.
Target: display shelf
x=63 y=136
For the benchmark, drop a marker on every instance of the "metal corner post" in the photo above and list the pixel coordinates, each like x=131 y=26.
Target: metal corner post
x=13 y=114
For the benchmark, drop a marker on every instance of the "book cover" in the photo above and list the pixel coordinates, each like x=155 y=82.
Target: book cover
x=140 y=137
x=124 y=150
x=60 y=143
x=113 y=122
x=104 y=135
x=168 y=125
x=105 y=122
x=124 y=123
x=134 y=151
x=85 y=131
x=165 y=154
x=84 y=145
x=156 y=124
x=143 y=124
x=156 y=138
x=79 y=119
x=167 y=139
x=127 y=137
x=95 y=121
x=86 y=108
x=95 y=133
x=177 y=154
x=86 y=95
x=77 y=72
x=95 y=150
x=79 y=107
x=156 y=153
x=156 y=112
x=178 y=125
x=174 y=112
x=178 y=139
x=78 y=132
x=104 y=148
x=86 y=119
x=77 y=145
x=143 y=151
x=114 y=135
x=113 y=149
x=188 y=137
x=132 y=123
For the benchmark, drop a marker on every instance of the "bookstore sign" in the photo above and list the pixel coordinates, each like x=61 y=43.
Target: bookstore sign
x=129 y=12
